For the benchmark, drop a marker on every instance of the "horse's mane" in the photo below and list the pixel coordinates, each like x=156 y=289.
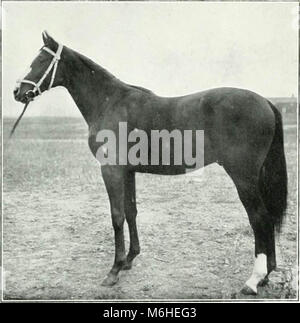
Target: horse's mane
x=92 y=65
x=95 y=67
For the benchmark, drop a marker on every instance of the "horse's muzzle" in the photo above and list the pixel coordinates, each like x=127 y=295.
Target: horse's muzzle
x=24 y=98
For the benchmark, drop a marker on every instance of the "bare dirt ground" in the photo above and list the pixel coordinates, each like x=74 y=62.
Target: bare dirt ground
x=195 y=237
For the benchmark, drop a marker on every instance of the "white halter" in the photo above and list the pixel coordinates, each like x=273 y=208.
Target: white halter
x=54 y=63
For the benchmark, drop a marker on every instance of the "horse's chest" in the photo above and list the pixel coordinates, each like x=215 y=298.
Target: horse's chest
x=93 y=144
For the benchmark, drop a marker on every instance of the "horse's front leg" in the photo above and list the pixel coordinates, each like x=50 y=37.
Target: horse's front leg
x=114 y=182
x=130 y=214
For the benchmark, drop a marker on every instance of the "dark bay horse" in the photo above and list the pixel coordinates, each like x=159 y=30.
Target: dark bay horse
x=242 y=132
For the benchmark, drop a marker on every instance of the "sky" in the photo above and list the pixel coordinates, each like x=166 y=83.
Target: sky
x=173 y=48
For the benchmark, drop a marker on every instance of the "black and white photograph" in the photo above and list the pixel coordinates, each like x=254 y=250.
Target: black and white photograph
x=150 y=151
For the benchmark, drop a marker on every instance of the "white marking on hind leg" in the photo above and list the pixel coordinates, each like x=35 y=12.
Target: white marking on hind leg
x=259 y=271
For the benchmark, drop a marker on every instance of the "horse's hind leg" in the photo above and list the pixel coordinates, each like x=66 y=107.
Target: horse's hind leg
x=262 y=225
x=130 y=214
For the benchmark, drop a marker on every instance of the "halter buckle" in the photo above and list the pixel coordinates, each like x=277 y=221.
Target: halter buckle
x=30 y=94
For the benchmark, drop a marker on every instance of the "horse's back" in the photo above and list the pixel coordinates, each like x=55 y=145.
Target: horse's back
x=225 y=101
x=220 y=109
x=236 y=99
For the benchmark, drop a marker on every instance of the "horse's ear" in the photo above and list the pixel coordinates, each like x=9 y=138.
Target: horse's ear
x=49 y=41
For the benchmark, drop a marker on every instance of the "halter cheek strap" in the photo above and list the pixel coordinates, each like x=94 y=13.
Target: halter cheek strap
x=53 y=64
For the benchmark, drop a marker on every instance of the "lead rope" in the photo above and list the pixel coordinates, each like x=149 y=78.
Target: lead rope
x=18 y=120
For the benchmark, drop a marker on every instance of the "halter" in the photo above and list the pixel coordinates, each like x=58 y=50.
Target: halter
x=53 y=64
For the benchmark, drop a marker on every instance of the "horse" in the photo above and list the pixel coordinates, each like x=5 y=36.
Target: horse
x=243 y=133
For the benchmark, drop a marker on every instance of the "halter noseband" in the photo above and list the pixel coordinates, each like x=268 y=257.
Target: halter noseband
x=53 y=64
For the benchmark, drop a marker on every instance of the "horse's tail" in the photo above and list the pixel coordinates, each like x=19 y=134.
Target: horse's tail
x=273 y=176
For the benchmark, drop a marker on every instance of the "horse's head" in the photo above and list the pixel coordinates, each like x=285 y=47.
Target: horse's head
x=45 y=72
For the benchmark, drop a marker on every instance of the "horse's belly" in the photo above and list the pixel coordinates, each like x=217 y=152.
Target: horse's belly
x=164 y=169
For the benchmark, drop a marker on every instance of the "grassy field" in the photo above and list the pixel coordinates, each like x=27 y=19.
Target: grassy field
x=195 y=237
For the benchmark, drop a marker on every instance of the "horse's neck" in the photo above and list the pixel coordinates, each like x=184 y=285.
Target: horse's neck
x=90 y=86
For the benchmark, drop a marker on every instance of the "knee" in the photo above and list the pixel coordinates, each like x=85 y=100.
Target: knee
x=117 y=219
x=130 y=212
x=118 y=225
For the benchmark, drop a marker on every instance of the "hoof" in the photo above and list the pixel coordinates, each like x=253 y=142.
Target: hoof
x=110 y=280
x=248 y=291
x=263 y=282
